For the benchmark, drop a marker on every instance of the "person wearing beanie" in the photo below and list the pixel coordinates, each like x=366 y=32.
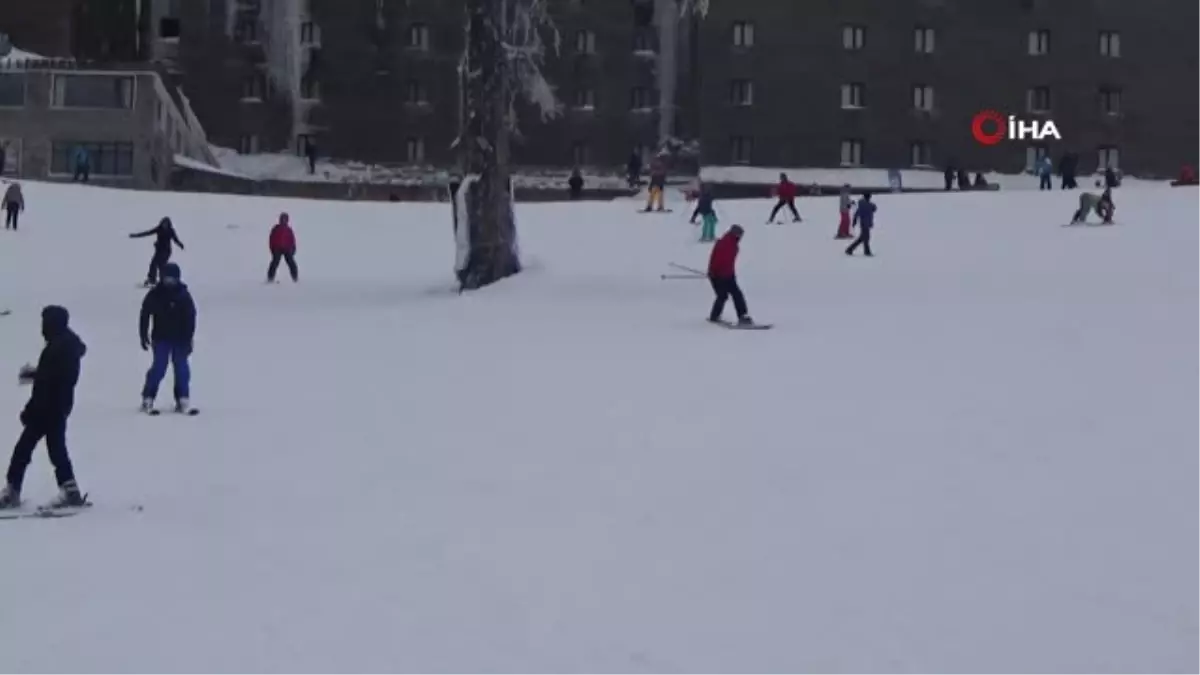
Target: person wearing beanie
x=864 y=218
x=282 y=243
x=45 y=415
x=164 y=235
x=723 y=277
x=167 y=326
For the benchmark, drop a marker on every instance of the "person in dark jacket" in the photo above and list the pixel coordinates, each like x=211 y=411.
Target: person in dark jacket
x=164 y=235
x=14 y=204
x=980 y=182
x=1068 y=164
x=949 y=175
x=575 y=184
x=722 y=274
x=82 y=161
x=707 y=212
x=1111 y=180
x=45 y=415
x=282 y=242
x=864 y=218
x=633 y=169
x=964 y=180
x=786 y=192
x=169 y=306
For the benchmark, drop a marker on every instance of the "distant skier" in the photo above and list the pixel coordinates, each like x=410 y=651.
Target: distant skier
x=282 y=242
x=786 y=192
x=1102 y=205
x=169 y=306
x=722 y=274
x=82 y=160
x=658 y=185
x=164 y=234
x=864 y=217
x=14 y=204
x=575 y=184
x=1045 y=170
x=707 y=213
x=845 y=201
x=45 y=415
x=633 y=169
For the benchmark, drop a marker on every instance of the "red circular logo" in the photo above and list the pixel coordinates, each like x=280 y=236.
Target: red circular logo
x=985 y=120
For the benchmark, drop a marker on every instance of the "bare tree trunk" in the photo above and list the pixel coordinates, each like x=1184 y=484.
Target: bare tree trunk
x=484 y=204
x=668 y=67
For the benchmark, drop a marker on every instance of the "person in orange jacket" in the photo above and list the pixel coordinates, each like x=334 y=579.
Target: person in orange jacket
x=282 y=242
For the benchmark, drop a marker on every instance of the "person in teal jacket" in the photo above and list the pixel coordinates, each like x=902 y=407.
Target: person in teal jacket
x=82 y=160
x=708 y=214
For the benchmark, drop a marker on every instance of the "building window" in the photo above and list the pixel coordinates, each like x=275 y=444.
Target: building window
x=168 y=28
x=923 y=40
x=418 y=37
x=310 y=34
x=853 y=37
x=107 y=159
x=93 y=91
x=579 y=153
x=585 y=42
x=12 y=156
x=852 y=151
x=310 y=88
x=920 y=154
x=248 y=145
x=741 y=150
x=254 y=87
x=1037 y=100
x=415 y=149
x=245 y=30
x=1110 y=101
x=585 y=98
x=12 y=90
x=741 y=92
x=643 y=40
x=1108 y=158
x=1110 y=44
x=1034 y=155
x=640 y=98
x=923 y=97
x=1039 y=42
x=415 y=93
x=852 y=96
x=743 y=34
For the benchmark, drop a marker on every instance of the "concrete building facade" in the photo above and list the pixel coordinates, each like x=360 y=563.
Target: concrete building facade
x=127 y=120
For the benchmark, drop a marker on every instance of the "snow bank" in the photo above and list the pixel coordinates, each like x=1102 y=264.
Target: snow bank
x=861 y=177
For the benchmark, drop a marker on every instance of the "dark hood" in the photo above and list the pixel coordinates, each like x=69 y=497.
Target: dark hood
x=56 y=328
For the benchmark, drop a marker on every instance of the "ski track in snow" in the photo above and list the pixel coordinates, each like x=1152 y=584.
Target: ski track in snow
x=975 y=452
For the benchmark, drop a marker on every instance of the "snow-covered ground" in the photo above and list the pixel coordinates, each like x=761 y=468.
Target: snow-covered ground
x=975 y=452
x=910 y=178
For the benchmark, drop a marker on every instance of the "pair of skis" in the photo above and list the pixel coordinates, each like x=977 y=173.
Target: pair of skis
x=46 y=511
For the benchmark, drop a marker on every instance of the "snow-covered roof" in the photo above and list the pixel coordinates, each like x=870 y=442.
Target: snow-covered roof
x=18 y=55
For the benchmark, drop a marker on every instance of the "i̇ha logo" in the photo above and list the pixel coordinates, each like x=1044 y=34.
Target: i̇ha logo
x=990 y=127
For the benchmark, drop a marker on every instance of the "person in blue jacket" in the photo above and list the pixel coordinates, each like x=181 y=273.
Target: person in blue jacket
x=171 y=310
x=1045 y=170
x=82 y=161
x=864 y=218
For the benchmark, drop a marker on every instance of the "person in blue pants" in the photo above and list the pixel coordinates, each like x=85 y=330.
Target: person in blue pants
x=171 y=310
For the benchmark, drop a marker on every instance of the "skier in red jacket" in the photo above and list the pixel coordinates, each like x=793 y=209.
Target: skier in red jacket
x=282 y=243
x=723 y=276
x=786 y=191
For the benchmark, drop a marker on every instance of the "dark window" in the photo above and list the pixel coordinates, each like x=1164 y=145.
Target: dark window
x=741 y=150
x=12 y=90
x=107 y=159
x=93 y=91
x=168 y=28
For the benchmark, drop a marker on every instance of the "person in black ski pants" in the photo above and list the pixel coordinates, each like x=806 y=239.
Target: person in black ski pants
x=164 y=234
x=864 y=217
x=45 y=415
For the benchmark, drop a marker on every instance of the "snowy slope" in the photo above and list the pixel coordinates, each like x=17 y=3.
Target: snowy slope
x=975 y=452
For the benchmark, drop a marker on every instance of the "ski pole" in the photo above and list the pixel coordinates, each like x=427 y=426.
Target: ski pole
x=682 y=276
x=691 y=270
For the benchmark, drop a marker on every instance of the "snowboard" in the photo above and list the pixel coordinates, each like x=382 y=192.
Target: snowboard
x=5 y=312
x=744 y=326
x=644 y=211
x=44 y=511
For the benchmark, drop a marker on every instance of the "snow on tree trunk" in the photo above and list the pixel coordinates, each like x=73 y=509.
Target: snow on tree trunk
x=282 y=22
x=484 y=205
x=667 y=12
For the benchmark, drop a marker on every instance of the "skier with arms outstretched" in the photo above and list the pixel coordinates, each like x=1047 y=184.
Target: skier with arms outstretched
x=164 y=235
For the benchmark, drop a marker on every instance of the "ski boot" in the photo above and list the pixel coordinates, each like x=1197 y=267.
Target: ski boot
x=745 y=321
x=183 y=406
x=147 y=405
x=10 y=498
x=68 y=496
